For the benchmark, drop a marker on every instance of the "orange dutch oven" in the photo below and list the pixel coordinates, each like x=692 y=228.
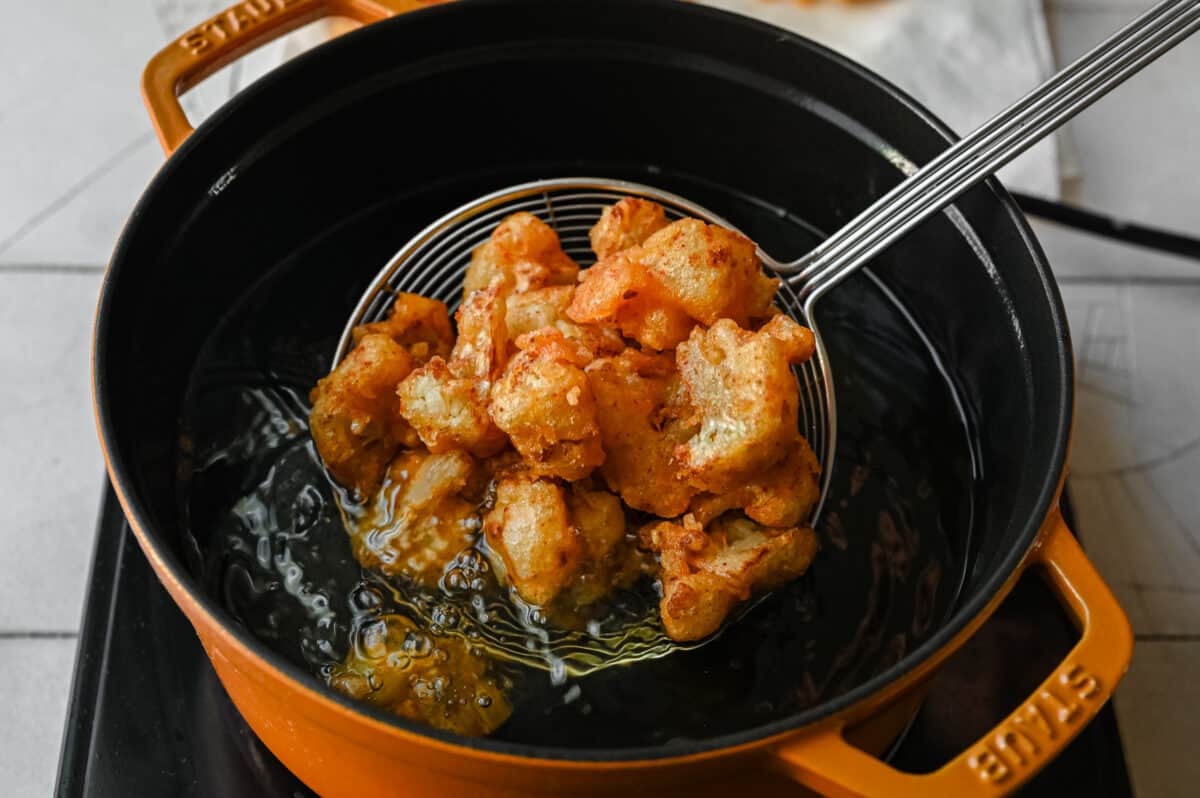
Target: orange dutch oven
x=333 y=159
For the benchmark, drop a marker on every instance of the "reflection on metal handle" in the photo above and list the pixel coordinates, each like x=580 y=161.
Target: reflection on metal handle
x=997 y=142
x=228 y=36
x=1029 y=737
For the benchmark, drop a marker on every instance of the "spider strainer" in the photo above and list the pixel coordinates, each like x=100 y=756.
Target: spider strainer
x=434 y=262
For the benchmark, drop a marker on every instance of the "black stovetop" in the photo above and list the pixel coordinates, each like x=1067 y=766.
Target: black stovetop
x=147 y=716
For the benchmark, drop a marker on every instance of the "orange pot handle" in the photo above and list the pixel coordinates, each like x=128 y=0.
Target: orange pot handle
x=1024 y=741
x=228 y=36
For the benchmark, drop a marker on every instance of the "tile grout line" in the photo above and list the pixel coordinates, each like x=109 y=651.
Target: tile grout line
x=74 y=191
x=1153 y=637
x=1085 y=280
x=50 y=268
x=52 y=634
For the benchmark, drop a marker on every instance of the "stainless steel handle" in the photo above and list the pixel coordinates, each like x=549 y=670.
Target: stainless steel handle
x=991 y=146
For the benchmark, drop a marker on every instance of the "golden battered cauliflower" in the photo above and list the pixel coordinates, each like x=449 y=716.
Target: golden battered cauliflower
x=530 y=528
x=697 y=419
x=641 y=425
x=356 y=421
x=560 y=548
x=746 y=399
x=547 y=307
x=626 y=224
x=400 y=668
x=526 y=251
x=545 y=405
x=780 y=495
x=620 y=292
x=421 y=517
x=420 y=325
x=711 y=272
x=446 y=403
x=610 y=559
x=482 y=347
x=706 y=573
x=448 y=412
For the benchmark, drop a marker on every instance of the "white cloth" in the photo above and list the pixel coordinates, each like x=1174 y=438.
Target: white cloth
x=965 y=60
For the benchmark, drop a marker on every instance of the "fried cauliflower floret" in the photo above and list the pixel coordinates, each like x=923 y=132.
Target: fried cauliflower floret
x=620 y=292
x=447 y=412
x=482 y=346
x=547 y=307
x=600 y=519
x=745 y=396
x=626 y=224
x=356 y=420
x=782 y=494
x=635 y=401
x=446 y=403
x=420 y=325
x=525 y=250
x=561 y=548
x=420 y=518
x=530 y=528
x=711 y=272
x=545 y=405
x=398 y=667
x=610 y=559
x=706 y=573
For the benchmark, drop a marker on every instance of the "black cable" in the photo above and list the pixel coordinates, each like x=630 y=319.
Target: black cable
x=1107 y=226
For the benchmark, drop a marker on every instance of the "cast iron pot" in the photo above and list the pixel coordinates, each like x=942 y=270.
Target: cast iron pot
x=637 y=89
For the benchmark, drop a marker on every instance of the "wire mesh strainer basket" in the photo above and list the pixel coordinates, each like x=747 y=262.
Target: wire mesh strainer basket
x=433 y=264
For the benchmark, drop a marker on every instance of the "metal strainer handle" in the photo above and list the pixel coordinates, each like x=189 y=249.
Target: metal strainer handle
x=993 y=145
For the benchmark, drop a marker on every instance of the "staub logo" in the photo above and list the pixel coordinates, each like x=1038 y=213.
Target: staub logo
x=230 y=23
x=1059 y=708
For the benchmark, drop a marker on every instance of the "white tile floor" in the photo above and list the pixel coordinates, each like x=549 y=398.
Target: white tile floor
x=35 y=676
x=75 y=152
x=49 y=464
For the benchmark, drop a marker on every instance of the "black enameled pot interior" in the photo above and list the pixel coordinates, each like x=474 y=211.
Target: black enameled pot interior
x=351 y=148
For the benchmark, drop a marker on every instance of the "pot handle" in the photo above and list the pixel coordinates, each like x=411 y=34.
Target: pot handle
x=228 y=36
x=1028 y=738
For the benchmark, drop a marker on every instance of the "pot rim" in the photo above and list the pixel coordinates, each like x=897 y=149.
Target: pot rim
x=171 y=569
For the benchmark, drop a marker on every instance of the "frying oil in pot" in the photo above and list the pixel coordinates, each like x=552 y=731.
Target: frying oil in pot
x=268 y=535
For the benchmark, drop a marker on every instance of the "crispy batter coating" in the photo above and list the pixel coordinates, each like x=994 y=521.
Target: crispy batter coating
x=746 y=399
x=562 y=549
x=547 y=307
x=641 y=424
x=610 y=559
x=600 y=519
x=620 y=292
x=626 y=224
x=419 y=324
x=525 y=250
x=482 y=347
x=421 y=517
x=355 y=420
x=705 y=574
x=782 y=494
x=530 y=528
x=396 y=666
x=447 y=412
x=797 y=342
x=446 y=403
x=711 y=272
x=545 y=405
